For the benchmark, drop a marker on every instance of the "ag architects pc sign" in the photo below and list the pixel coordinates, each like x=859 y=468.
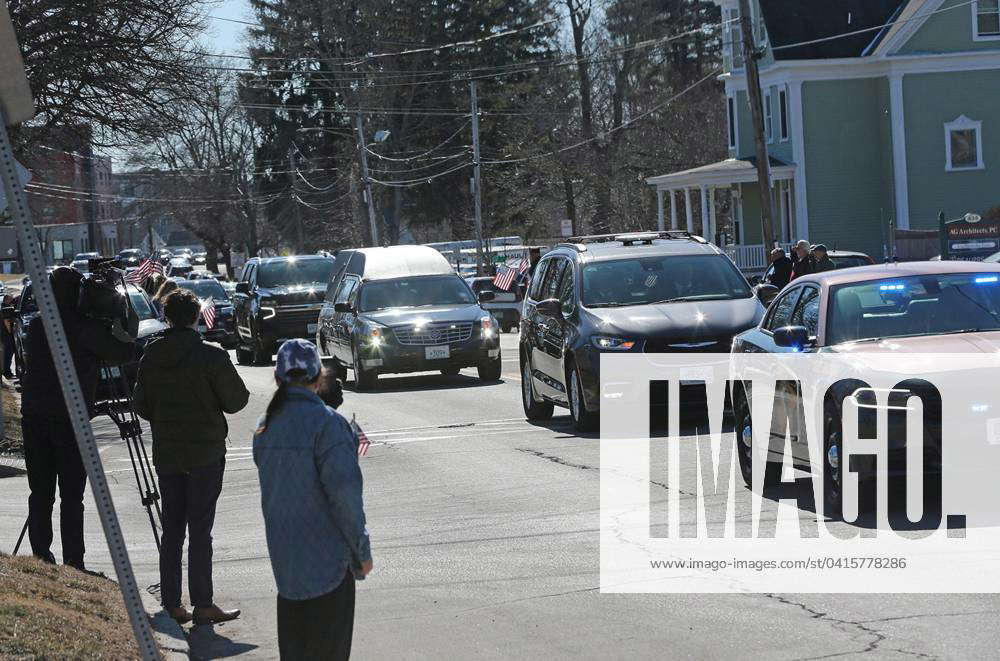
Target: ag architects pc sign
x=866 y=473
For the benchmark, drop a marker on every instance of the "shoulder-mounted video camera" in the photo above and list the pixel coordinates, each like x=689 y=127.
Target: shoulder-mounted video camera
x=102 y=293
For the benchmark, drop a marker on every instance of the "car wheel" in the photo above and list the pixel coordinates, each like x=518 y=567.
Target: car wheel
x=450 y=371
x=583 y=419
x=491 y=369
x=833 y=492
x=244 y=356
x=533 y=409
x=743 y=431
x=363 y=379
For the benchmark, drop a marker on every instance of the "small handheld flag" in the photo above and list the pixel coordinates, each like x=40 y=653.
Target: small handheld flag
x=208 y=313
x=363 y=442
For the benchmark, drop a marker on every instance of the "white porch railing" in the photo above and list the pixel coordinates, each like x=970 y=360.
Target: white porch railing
x=751 y=258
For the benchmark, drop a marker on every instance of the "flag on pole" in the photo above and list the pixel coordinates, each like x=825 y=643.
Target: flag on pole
x=363 y=442
x=208 y=313
x=505 y=279
x=146 y=269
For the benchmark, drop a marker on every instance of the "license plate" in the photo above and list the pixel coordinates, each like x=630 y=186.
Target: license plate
x=437 y=353
x=312 y=328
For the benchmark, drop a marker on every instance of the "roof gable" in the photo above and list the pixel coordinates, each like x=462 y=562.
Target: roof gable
x=796 y=21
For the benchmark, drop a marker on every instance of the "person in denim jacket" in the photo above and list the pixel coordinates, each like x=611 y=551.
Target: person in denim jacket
x=311 y=495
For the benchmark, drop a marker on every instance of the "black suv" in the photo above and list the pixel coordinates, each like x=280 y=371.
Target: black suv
x=655 y=292
x=278 y=299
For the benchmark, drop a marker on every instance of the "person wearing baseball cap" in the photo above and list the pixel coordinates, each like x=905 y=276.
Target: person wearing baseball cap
x=314 y=520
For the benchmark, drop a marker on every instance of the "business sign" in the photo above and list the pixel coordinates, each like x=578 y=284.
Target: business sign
x=566 y=227
x=15 y=94
x=971 y=238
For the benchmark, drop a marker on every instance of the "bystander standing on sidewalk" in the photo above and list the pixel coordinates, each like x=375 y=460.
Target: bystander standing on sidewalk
x=311 y=494
x=184 y=387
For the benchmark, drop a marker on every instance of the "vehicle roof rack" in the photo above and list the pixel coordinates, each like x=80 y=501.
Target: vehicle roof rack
x=579 y=243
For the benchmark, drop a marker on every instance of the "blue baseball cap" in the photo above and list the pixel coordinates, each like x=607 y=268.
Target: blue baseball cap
x=298 y=355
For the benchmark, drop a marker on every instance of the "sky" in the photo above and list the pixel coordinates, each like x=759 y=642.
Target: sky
x=224 y=36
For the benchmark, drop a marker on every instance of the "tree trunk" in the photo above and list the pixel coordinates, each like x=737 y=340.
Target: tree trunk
x=570 y=202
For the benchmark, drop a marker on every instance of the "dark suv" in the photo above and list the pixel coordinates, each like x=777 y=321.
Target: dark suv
x=655 y=292
x=278 y=299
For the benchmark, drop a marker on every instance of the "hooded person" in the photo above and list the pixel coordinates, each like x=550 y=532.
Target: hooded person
x=185 y=387
x=50 y=451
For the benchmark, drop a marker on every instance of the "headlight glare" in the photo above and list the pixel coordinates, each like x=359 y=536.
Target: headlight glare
x=610 y=343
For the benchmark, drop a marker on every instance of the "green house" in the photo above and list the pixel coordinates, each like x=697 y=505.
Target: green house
x=878 y=116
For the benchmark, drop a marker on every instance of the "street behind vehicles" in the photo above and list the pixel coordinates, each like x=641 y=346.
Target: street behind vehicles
x=404 y=309
x=913 y=307
x=223 y=330
x=655 y=292
x=505 y=306
x=278 y=299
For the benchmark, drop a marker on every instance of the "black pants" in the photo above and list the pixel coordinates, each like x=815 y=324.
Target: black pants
x=52 y=457
x=8 y=349
x=320 y=628
x=188 y=503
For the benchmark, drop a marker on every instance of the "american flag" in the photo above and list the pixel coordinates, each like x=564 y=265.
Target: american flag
x=506 y=279
x=208 y=312
x=146 y=269
x=363 y=442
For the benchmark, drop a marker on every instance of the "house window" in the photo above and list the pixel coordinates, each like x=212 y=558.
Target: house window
x=62 y=250
x=735 y=39
x=783 y=112
x=986 y=17
x=768 y=122
x=731 y=117
x=963 y=143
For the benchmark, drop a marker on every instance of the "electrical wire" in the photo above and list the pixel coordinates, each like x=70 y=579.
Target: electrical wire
x=426 y=153
x=410 y=183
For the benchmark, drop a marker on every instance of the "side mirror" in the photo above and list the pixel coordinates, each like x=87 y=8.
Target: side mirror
x=792 y=337
x=486 y=296
x=766 y=293
x=550 y=307
x=242 y=287
x=343 y=307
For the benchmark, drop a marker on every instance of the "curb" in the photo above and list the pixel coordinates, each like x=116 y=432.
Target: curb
x=169 y=635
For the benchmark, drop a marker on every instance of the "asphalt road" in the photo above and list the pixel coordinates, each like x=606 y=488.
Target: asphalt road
x=485 y=537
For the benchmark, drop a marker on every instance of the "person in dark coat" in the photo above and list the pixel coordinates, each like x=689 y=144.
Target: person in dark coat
x=184 y=388
x=51 y=453
x=821 y=260
x=7 y=336
x=803 y=263
x=782 y=273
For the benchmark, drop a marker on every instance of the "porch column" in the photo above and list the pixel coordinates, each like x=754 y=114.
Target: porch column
x=711 y=214
x=704 y=210
x=673 y=209
x=782 y=216
x=659 y=210
x=688 y=210
x=899 y=151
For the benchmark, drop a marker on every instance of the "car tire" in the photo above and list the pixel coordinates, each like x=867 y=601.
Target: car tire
x=533 y=409
x=363 y=379
x=833 y=491
x=450 y=371
x=262 y=356
x=583 y=420
x=491 y=369
x=244 y=356
x=743 y=432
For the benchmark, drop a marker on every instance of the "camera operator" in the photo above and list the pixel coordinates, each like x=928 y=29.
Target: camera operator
x=50 y=450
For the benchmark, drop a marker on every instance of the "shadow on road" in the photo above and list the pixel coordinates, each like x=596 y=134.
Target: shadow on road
x=207 y=643
x=427 y=382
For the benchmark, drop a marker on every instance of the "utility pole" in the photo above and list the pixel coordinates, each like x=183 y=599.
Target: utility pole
x=293 y=172
x=757 y=118
x=366 y=180
x=476 y=180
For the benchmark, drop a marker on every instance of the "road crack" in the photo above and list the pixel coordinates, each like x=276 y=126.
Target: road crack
x=557 y=460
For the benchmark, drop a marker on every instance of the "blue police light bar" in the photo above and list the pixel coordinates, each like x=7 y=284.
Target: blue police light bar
x=986 y=279
x=896 y=286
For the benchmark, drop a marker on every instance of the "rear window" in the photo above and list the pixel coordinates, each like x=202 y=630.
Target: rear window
x=849 y=261
x=292 y=272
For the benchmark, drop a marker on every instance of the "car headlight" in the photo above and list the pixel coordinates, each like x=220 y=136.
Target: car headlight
x=610 y=343
x=486 y=323
x=375 y=335
x=267 y=312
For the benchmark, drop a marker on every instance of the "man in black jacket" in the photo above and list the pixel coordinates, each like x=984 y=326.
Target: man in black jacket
x=50 y=450
x=184 y=388
x=782 y=273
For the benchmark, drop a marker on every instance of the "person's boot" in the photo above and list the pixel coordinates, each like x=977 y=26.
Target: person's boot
x=214 y=615
x=180 y=614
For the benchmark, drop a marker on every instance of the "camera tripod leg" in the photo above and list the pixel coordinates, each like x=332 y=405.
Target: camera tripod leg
x=24 y=529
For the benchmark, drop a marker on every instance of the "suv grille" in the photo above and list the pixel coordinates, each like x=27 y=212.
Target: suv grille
x=298 y=314
x=700 y=345
x=440 y=333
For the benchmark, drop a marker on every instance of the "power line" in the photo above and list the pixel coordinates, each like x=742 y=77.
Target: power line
x=410 y=183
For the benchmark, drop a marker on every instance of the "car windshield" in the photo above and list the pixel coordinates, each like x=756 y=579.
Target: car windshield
x=662 y=279
x=917 y=305
x=425 y=291
x=205 y=289
x=291 y=272
x=141 y=304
